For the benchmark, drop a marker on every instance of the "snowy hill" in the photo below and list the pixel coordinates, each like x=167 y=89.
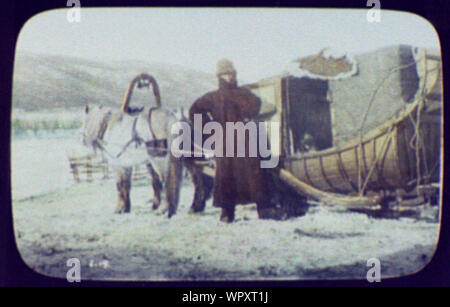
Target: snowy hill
x=43 y=82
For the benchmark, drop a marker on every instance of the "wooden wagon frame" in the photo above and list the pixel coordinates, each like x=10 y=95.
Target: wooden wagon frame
x=396 y=163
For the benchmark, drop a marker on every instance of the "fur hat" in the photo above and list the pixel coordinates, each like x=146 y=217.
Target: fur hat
x=224 y=66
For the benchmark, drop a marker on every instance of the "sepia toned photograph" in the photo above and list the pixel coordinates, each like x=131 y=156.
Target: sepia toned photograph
x=211 y=144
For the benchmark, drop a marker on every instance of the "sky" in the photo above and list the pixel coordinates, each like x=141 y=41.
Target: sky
x=260 y=42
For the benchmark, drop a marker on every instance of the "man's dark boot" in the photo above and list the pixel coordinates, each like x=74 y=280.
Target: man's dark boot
x=227 y=215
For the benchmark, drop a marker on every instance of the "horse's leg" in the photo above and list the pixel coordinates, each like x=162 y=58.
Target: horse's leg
x=208 y=184
x=203 y=186
x=173 y=183
x=227 y=214
x=157 y=186
x=123 y=185
x=197 y=204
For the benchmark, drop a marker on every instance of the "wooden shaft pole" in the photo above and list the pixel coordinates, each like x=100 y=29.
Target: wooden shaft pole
x=350 y=202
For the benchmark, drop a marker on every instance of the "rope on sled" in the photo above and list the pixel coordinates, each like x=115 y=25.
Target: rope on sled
x=362 y=185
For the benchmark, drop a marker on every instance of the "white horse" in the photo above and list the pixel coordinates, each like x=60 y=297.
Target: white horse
x=126 y=140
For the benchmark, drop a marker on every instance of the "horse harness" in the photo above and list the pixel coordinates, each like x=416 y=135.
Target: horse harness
x=155 y=147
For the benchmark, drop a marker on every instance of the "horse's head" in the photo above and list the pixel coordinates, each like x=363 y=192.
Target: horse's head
x=94 y=125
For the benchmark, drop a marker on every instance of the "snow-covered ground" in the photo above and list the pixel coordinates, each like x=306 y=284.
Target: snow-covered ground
x=39 y=162
x=56 y=219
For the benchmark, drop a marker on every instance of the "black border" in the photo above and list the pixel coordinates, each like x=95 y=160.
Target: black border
x=14 y=272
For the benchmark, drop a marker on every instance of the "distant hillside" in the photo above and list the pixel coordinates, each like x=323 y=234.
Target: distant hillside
x=44 y=82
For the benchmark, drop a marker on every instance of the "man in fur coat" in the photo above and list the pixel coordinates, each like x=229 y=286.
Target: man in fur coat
x=238 y=180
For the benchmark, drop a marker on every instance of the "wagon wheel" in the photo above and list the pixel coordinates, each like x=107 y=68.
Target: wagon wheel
x=142 y=81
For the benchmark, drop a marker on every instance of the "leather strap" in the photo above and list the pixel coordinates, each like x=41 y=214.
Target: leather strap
x=150 y=121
